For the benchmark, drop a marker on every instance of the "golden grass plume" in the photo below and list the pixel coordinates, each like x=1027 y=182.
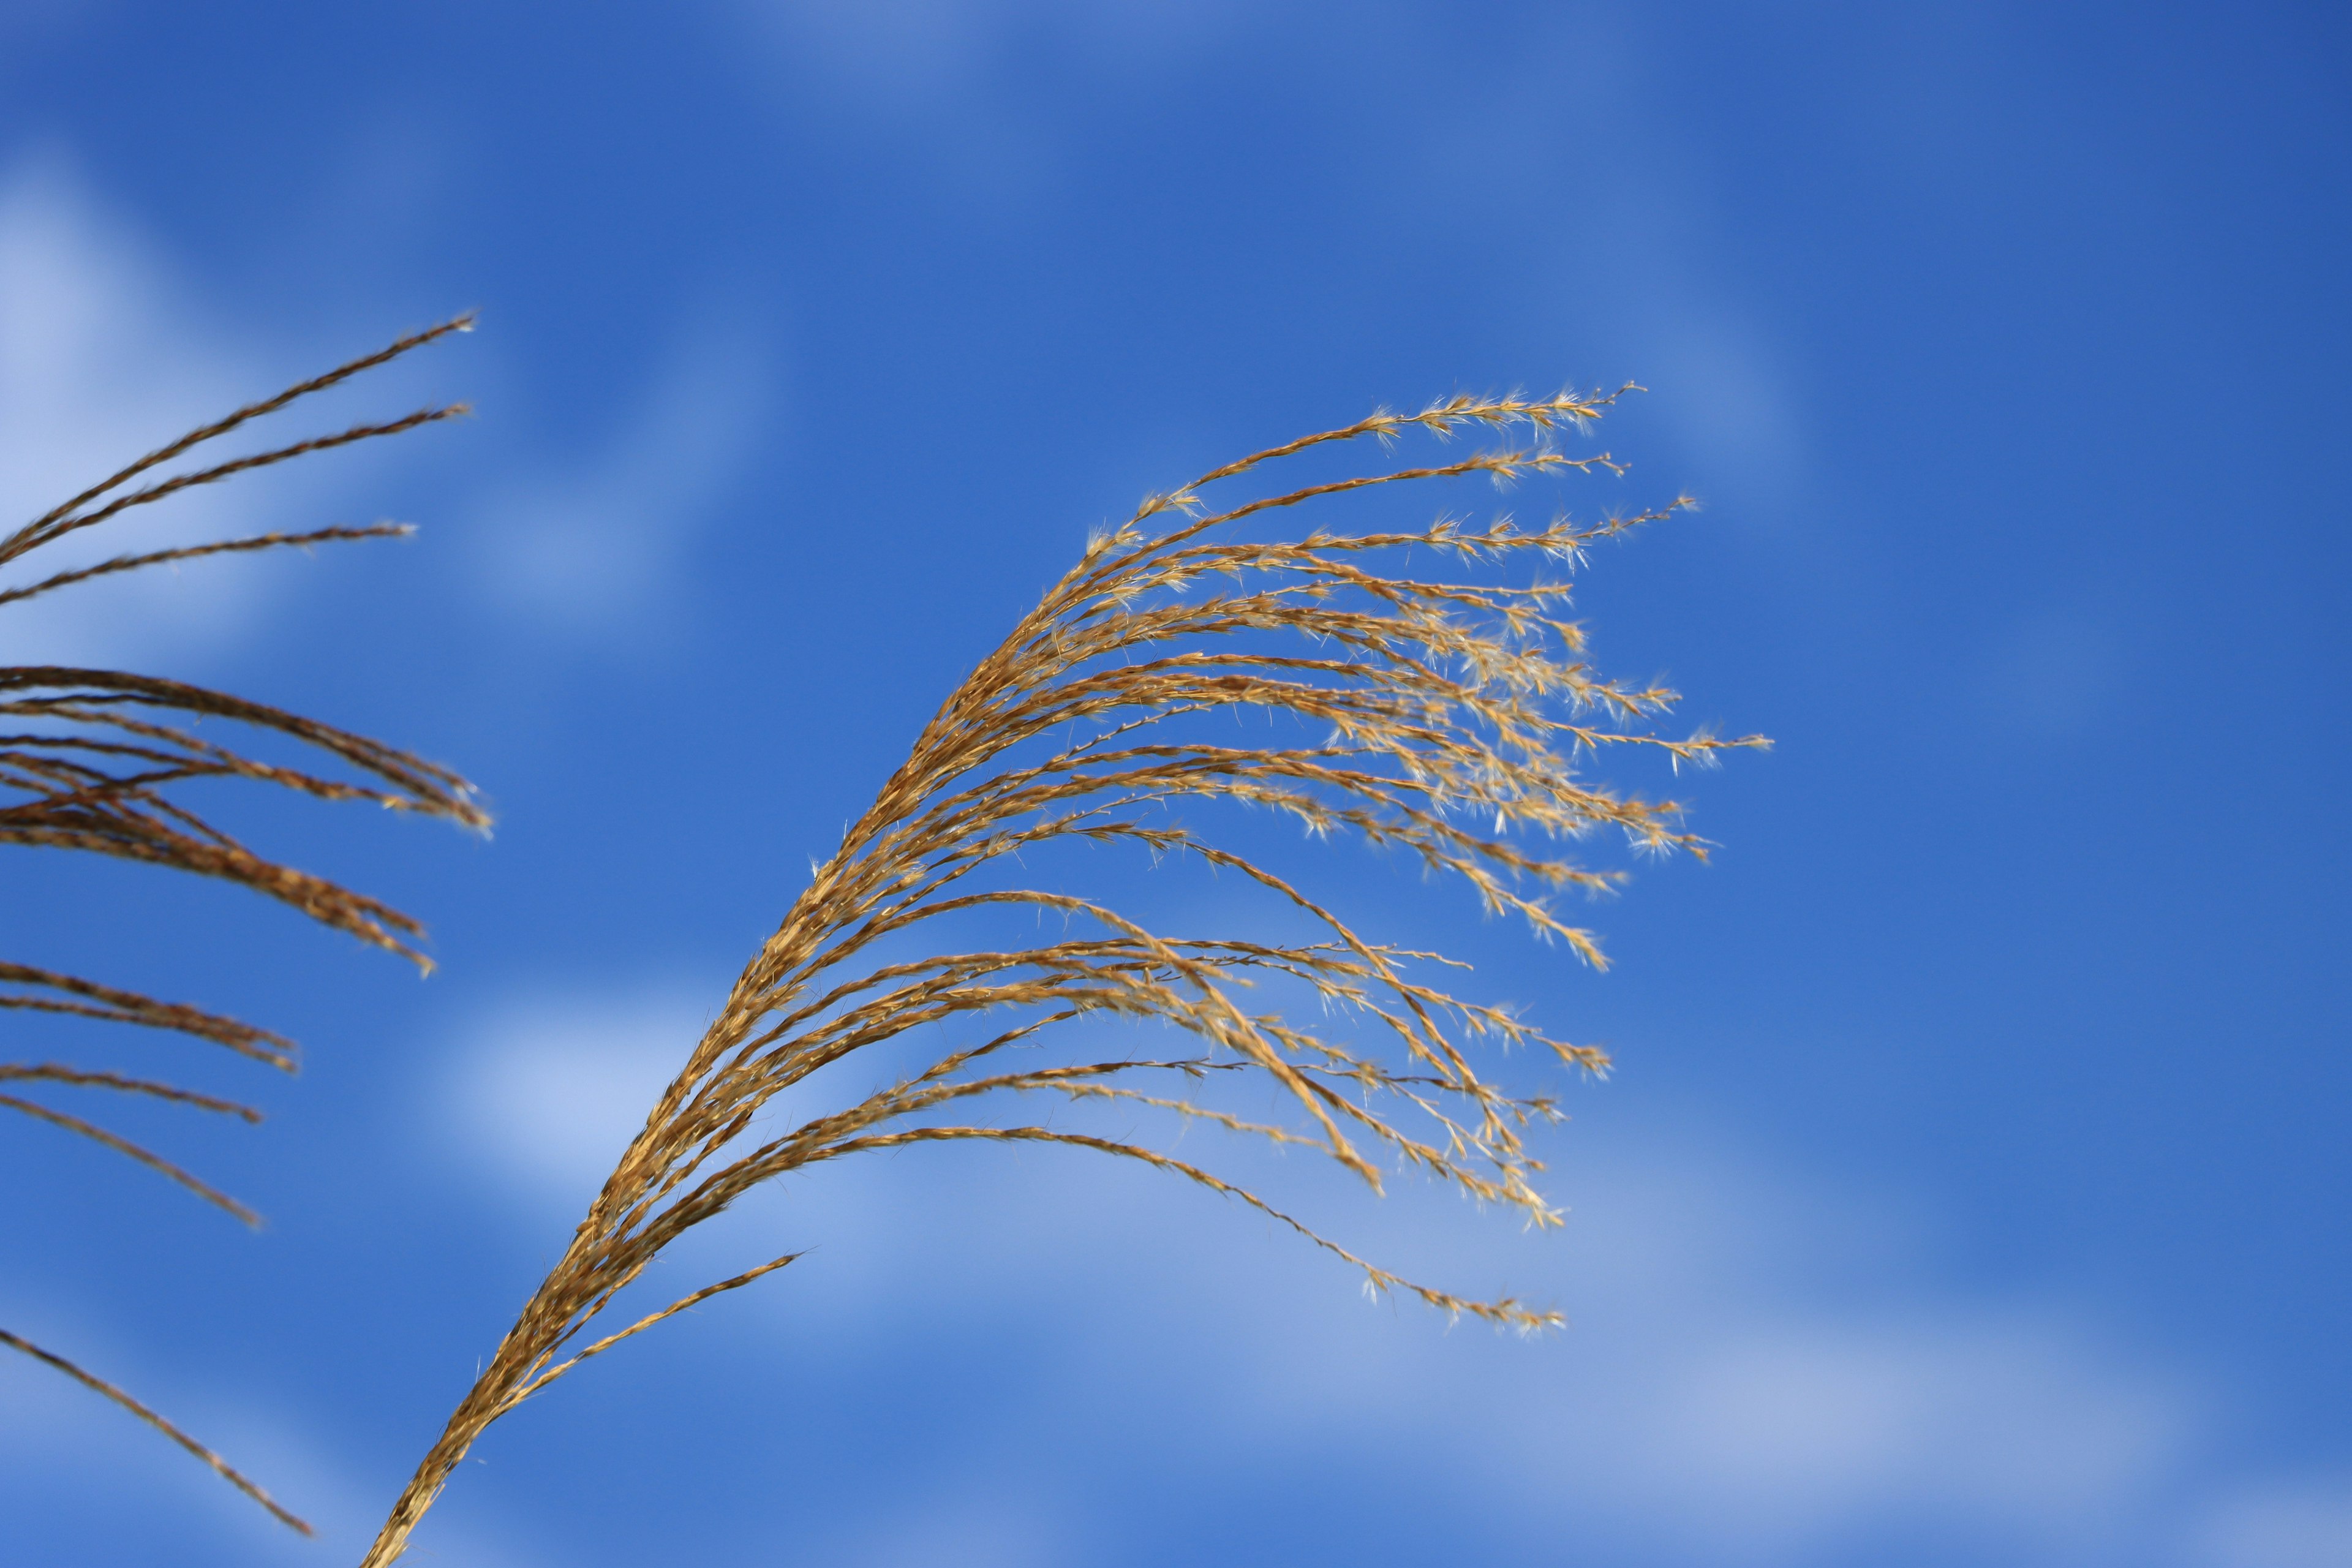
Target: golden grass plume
x=89 y=760
x=1435 y=715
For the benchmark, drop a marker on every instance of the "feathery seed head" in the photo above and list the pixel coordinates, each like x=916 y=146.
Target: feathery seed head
x=1448 y=711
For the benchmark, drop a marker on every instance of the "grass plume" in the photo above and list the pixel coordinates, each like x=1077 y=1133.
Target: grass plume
x=91 y=760
x=1438 y=716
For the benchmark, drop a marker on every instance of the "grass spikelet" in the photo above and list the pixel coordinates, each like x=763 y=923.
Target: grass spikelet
x=92 y=760
x=1433 y=714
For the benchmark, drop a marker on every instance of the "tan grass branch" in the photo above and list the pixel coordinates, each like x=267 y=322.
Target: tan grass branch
x=96 y=696
x=107 y=1002
x=147 y=495
x=53 y=1072
x=337 y=535
x=1503 y=1312
x=14 y=546
x=1436 y=717
x=99 y=1385
x=146 y=1157
x=694 y=1300
x=91 y=760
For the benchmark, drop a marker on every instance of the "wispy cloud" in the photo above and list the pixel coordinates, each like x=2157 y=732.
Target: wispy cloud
x=594 y=544
x=951 y=85
x=918 y=54
x=1763 y=1367
x=105 y=354
x=2301 y=1521
x=99 y=361
x=546 y=1091
x=61 y=1441
x=2052 y=674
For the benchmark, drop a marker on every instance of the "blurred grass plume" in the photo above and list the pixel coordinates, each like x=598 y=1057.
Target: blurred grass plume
x=91 y=759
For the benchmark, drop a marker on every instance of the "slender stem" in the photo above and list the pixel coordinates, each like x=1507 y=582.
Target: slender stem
x=99 y=1385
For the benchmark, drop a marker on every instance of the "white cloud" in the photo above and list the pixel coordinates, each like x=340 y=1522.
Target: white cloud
x=2018 y=1427
x=1634 y=281
x=1761 y=1367
x=2304 y=1522
x=1728 y=394
x=548 y=1091
x=953 y=84
x=2053 y=673
x=60 y=1436
x=105 y=356
x=912 y=56
x=594 y=542
x=99 y=362
x=970 y=1529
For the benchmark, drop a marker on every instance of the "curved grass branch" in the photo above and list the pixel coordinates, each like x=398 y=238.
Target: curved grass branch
x=147 y=1157
x=196 y=552
x=99 y=1385
x=1438 y=715
x=93 y=760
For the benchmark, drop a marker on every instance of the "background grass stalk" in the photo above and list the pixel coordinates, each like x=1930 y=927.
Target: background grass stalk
x=90 y=759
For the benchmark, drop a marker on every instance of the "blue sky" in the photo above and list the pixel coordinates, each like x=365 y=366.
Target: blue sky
x=1972 y=1189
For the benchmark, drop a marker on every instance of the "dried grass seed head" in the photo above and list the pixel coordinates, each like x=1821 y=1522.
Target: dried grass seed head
x=96 y=761
x=1436 y=716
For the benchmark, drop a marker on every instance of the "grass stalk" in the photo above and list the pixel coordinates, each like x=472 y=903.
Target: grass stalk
x=93 y=761
x=1437 y=716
